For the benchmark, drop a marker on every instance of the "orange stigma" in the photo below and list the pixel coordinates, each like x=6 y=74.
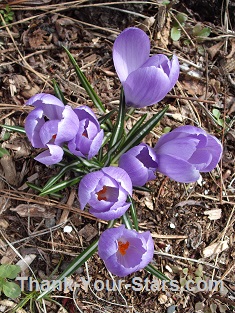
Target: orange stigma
x=101 y=194
x=122 y=247
x=54 y=136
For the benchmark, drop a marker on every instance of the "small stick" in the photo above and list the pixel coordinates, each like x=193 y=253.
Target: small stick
x=65 y=214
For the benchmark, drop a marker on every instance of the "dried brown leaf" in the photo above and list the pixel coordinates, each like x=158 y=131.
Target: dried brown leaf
x=33 y=210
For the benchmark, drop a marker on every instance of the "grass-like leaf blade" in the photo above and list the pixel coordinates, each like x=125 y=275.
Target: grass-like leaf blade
x=119 y=125
x=133 y=213
x=17 y=129
x=58 y=92
x=152 y=270
x=60 y=186
x=140 y=133
x=85 y=84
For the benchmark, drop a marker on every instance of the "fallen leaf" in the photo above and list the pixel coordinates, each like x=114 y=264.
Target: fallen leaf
x=215 y=248
x=33 y=210
x=214 y=214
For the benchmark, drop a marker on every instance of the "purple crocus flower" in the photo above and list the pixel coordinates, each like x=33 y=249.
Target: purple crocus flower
x=140 y=164
x=185 y=152
x=125 y=251
x=50 y=125
x=89 y=137
x=146 y=80
x=106 y=192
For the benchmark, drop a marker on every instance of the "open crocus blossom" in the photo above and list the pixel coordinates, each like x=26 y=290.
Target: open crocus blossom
x=125 y=251
x=106 y=192
x=140 y=164
x=89 y=137
x=146 y=80
x=185 y=152
x=50 y=125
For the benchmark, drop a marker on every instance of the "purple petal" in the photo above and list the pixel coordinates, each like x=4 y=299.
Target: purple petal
x=215 y=147
x=107 y=243
x=52 y=106
x=33 y=123
x=146 y=86
x=201 y=158
x=96 y=144
x=177 y=169
x=130 y=50
x=182 y=148
x=84 y=112
x=67 y=127
x=87 y=185
x=53 y=155
x=158 y=60
x=189 y=129
x=48 y=130
x=111 y=214
x=135 y=169
x=120 y=176
x=174 y=71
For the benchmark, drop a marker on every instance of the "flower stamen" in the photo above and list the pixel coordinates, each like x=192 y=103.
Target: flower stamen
x=102 y=194
x=122 y=247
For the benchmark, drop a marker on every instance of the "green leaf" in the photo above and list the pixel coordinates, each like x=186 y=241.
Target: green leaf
x=106 y=117
x=126 y=220
x=55 y=178
x=62 y=185
x=181 y=18
x=11 y=290
x=199 y=31
x=58 y=92
x=17 y=129
x=119 y=125
x=140 y=133
x=185 y=271
x=3 y=152
x=216 y=113
x=136 y=126
x=175 y=33
x=133 y=213
x=151 y=269
x=166 y=129
x=6 y=136
x=85 y=84
x=39 y=189
x=9 y=271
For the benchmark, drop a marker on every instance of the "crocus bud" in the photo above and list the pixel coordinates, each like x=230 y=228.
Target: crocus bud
x=185 y=152
x=146 y=80
x=89 y=137
x=106 y=192
x=140 y=164
x=125 y=251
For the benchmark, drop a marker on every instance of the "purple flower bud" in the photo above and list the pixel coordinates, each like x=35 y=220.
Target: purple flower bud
x=140 y=164
x=146 y=80
x=89 y=137
x=185 y=152
x=49 y=125
x=106 y=192
x=125 y=251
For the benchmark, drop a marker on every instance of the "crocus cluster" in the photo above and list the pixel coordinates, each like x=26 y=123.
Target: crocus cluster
x=52 y=124
x=146 y=80
x=181 y=154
